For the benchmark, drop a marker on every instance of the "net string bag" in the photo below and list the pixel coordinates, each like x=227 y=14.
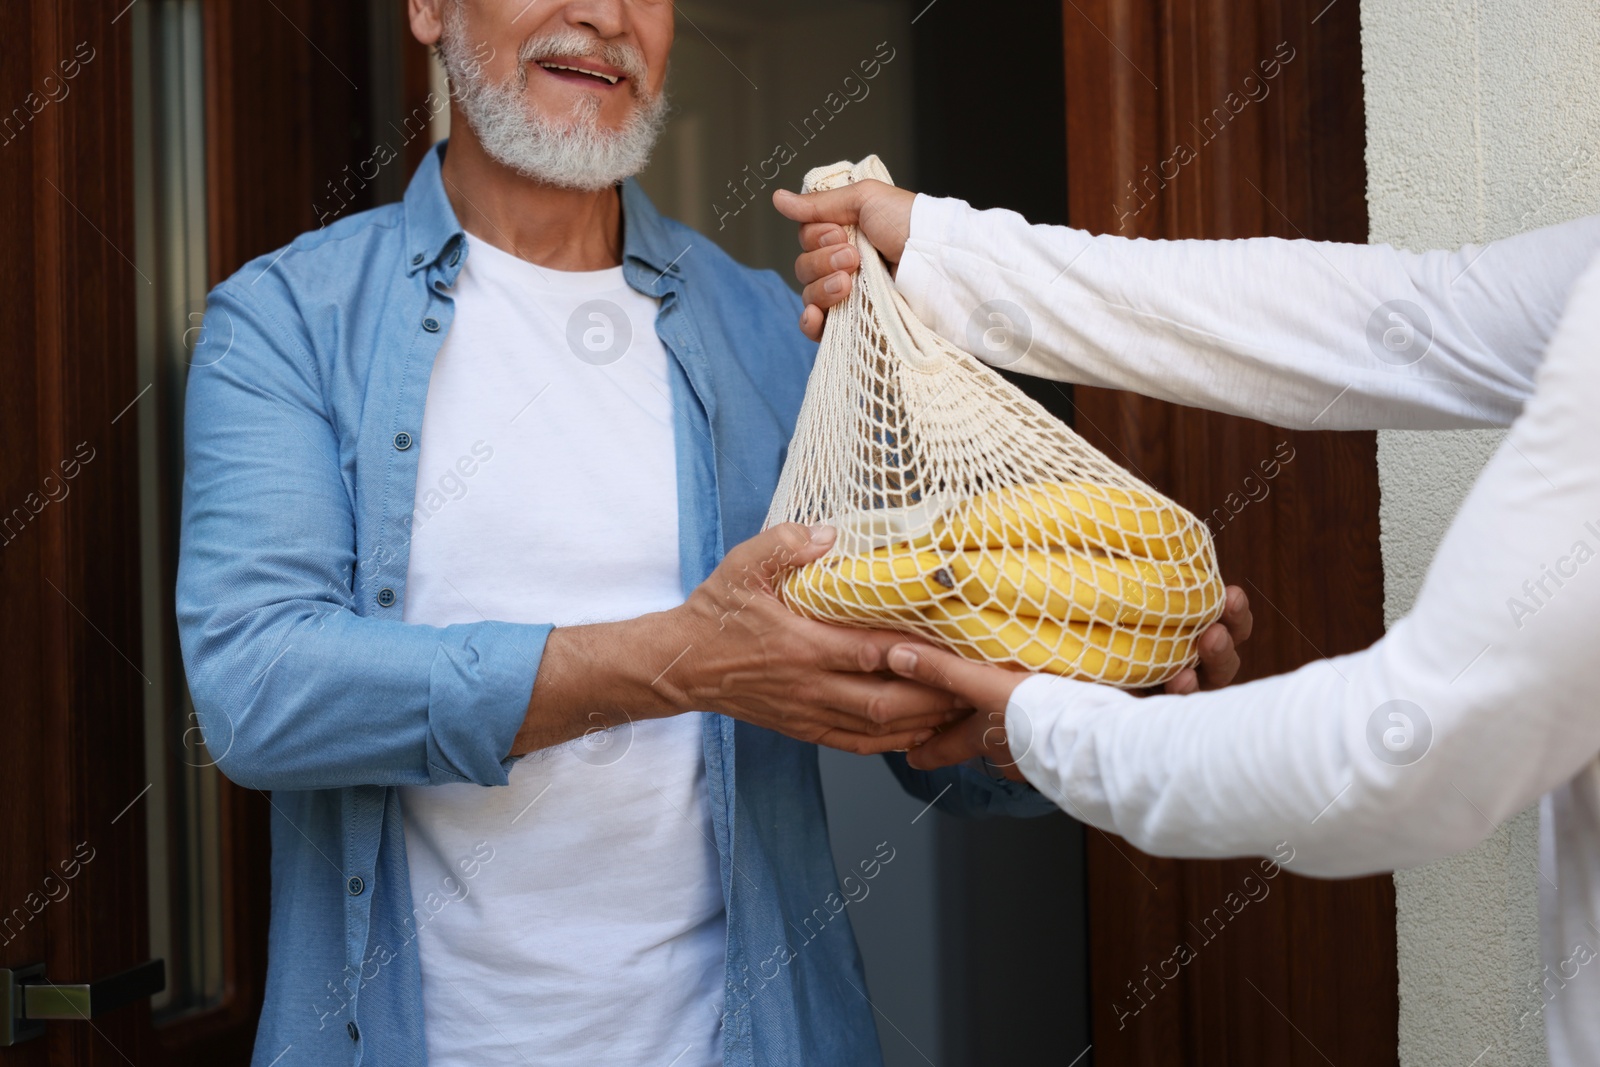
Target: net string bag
x=970 y=517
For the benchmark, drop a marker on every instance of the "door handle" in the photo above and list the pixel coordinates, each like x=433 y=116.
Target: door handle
x=28 y=998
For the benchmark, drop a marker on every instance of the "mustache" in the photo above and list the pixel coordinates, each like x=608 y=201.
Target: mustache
x=577 y=44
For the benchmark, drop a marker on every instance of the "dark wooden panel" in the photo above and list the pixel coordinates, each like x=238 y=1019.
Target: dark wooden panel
x=289 y=115
x=29 y=843
x=1157 y=148
x=70 y=575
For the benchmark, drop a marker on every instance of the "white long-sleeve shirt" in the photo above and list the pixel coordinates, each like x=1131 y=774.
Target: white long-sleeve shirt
x=1483 y=699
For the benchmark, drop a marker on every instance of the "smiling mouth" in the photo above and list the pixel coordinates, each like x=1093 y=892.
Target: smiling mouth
x=573 y=73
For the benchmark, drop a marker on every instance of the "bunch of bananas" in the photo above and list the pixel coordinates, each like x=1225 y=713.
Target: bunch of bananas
x=1075 y=578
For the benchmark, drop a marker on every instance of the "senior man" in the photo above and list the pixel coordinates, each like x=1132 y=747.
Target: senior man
x=452 y=467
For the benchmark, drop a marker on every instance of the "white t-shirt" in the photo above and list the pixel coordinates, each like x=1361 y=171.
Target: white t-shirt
x=575 y=915
x=1482 y=699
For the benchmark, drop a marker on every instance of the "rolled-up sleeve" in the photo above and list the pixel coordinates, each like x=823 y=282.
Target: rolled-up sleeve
x=969 y=793
x=292 y=687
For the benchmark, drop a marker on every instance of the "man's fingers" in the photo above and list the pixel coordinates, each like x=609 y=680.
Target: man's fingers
x=896 y=704
x=1219 y=660
x=846 y=649
x=1236 y=615
x=849 y=663
x=1218 y=647
x=761 y=559
x=956 y=744
x=1186 y=682
x=883 y=701
x=871 y=744
x=826 y=713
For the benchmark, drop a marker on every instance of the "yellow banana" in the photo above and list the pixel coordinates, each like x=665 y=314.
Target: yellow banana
x=1082 y=515
x=887 y=582
x=1077 y=586
x=1131 y=658
x=1073 y=578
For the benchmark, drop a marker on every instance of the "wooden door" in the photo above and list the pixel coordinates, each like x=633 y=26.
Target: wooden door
x=112 y=237
x=1225 y=119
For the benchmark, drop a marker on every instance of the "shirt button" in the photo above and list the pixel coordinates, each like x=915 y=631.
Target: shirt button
x=402 y=440
x=416 y=259
x=385 y=597
x=430 y=324
x=350 y=1028
x=355 y=885
x=455 y=257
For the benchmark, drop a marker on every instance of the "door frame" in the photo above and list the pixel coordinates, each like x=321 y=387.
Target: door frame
x=282 y=119
x=69 y=639
x=1309 y=971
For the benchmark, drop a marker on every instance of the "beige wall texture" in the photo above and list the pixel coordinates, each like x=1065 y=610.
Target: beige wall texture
x=1483 y=120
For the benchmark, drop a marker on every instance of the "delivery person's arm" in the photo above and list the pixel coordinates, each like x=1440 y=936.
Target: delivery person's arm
x=1295 y=333
x=1475 y=704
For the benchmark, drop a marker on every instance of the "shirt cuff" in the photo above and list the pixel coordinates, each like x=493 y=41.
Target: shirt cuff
x=937 y=219
x=919 y=277
x=1043 y=719
x=479 y=687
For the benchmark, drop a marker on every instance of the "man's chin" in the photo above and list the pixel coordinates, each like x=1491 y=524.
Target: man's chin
x=566 y=144
x=567 y=167
x=583 y=114
x=578 y=129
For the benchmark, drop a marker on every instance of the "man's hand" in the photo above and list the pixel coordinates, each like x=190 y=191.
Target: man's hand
x=825 y=267
x=987 y=689
x=750 y=657
x=734 y=648
x=1218 y=647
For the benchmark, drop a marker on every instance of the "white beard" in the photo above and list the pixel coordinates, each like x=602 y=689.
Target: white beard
x=576 y=154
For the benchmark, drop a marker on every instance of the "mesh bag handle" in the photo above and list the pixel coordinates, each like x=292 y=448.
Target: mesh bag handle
x=967 y=514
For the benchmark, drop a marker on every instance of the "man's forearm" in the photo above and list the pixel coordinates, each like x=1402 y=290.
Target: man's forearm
x=733 y=648
x=598 y=676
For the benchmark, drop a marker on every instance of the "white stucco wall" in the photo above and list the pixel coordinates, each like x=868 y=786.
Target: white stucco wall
x=1483 y=119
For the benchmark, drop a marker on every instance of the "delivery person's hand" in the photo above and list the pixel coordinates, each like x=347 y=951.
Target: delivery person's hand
x=987 y=689
x=828 y=262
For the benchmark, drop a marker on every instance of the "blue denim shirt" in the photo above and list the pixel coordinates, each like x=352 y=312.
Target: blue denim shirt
x=305 y=402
